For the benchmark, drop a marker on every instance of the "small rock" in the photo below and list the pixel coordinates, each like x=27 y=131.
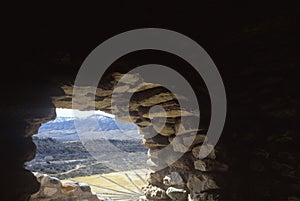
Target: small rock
x=184 y=143
x=84 y=187
x=68 y=187
x=178 y=145
x=207 y=151
x=200 y=165
x=177 y=194
x=154 y=192
x=156 y=177
x=53 y=189
x=200 y=183
x=155 y=141
x=173 y=179
x=38 y=176
x=49 y=191
x=143 y=198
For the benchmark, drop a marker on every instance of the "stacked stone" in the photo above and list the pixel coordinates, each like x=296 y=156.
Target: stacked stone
x=176 y=170
x=189 y=177
x=53 y=189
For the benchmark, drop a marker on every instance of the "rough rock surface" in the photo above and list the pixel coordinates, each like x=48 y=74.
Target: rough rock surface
x=53 y=189
x=172 y=152
x=155 y=193
x=255 y=45
x=177 y=194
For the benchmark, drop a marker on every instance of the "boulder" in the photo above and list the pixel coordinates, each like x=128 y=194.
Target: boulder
x=154 y=193
x=177 y=194
x=173 y=179
x=53 y=189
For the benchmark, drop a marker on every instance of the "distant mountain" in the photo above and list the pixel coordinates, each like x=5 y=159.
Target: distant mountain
x=71 y=159
x=64 y=129
x=106 y=123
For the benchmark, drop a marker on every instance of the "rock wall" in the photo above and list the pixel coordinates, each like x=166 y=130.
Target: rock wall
x=53 y=189
x=20 y=183
x=255 y=45
x=240 y=158
x=176 y=171
x=169 y=178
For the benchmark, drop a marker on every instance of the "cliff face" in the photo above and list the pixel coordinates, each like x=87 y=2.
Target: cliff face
x=255 y=47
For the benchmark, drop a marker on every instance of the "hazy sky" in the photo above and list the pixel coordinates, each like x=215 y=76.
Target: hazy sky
x=60 y=112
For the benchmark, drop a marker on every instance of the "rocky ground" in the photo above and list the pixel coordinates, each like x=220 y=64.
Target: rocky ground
x=71 y=159
x=53 y=189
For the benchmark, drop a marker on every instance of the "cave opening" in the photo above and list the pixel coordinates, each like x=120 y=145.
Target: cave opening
x=68 y=155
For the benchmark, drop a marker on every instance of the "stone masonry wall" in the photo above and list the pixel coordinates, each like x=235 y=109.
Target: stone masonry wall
x=168 y=178
x=248 y=162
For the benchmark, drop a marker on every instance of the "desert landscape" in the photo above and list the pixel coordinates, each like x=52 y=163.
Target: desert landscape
x=61 y=154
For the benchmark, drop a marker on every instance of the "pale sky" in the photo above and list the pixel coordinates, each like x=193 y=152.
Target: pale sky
x=60 y=112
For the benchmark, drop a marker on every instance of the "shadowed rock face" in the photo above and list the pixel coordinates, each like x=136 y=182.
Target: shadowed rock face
x=255 y=47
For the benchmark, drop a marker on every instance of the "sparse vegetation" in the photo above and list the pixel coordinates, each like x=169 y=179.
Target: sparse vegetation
x=71 y=159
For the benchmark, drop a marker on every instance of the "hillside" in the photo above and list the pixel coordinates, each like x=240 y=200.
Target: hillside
x=71 y=159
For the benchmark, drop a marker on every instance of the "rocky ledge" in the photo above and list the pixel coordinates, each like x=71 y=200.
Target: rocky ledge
x=52 y=189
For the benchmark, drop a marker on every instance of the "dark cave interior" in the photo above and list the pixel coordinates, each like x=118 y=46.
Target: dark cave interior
x=254 y=44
